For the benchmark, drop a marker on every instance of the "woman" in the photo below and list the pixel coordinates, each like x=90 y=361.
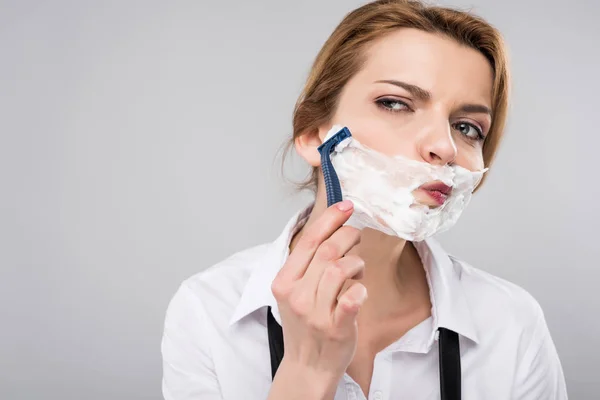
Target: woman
x=364 y=312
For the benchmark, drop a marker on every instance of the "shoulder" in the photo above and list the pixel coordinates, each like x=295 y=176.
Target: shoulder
x=510 y=322
x=512 y=326
x=197 y=320
x=227 y=278
x=233 y=287
x=497 y=304
x=215 y=291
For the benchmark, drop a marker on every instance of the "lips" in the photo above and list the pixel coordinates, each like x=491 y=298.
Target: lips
x=438 y=191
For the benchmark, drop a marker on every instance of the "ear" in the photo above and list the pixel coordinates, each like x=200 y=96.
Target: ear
x=306 y=145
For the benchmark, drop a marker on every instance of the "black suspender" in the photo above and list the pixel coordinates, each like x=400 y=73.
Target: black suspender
x=449 y=350
x=275 y=342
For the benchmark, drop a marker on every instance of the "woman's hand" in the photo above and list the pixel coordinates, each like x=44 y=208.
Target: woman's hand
x=319 y=322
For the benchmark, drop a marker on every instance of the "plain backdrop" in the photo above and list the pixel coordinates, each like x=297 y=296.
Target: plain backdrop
x=139 y=144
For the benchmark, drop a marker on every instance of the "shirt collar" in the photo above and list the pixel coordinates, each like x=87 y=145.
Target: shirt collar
x=449 y=306
x=257 y=292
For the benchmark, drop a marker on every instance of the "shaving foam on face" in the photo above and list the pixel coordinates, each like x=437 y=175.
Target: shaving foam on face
x=381 y=189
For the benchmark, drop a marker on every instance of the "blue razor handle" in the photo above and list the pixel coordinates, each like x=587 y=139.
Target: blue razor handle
x=332 y=182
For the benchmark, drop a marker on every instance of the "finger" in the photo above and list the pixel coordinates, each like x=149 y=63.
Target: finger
x=312 y=237
x=335 y=277
x=330 y=250
x=348 y=305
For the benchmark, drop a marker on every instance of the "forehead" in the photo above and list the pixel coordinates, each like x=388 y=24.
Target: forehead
x=432 y=61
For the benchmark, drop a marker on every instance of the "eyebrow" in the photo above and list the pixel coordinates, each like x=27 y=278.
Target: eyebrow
x=416 y=91
x=475 y=108
x=424 y=95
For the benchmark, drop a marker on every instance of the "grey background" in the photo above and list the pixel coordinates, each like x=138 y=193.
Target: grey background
x=138 y=146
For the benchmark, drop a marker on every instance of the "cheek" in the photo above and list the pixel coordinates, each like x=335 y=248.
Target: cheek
x=357 y=115
x=356 y=111
x=470 y=158
x=373 y=127
x=376 y=134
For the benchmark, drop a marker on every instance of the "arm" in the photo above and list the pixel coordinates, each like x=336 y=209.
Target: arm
x=188 y=370
x=540 y=375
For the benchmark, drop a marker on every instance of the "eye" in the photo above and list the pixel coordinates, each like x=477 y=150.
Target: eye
x=469 y=130
x=393 y=105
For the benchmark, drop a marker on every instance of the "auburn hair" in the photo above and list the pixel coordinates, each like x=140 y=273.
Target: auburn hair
x=343 y=54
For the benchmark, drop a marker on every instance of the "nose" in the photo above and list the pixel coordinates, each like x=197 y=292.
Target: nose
x=436 y=144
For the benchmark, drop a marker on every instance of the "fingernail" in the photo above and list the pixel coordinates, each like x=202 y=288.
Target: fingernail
x=345 y=205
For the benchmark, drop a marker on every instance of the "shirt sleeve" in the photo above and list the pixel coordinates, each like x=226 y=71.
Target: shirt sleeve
x=540 y=375
x=188 y=369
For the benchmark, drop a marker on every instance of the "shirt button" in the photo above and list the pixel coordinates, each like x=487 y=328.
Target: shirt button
x=377 y=395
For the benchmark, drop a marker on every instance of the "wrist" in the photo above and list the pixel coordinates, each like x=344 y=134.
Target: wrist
x=311 y=382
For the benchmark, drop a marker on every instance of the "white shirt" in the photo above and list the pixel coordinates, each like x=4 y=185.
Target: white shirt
x=215 y=343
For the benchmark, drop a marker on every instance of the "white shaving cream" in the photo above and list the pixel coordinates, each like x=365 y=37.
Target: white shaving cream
x=381 y=189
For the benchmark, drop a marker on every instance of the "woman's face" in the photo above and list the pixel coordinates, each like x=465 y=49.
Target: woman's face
x=422 y=96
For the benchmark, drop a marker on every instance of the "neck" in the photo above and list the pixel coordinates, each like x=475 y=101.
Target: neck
x=394 y=275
